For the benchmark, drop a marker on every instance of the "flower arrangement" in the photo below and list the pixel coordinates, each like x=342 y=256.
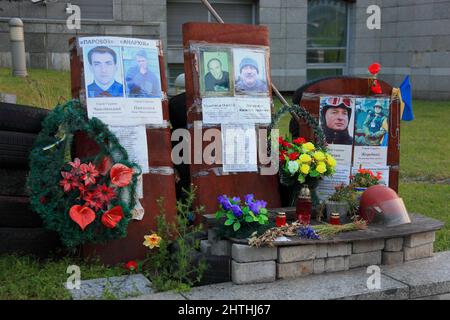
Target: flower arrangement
x=92 y=189
x=237 y=214
x=301 y=160
x=374 y=85
x=365 y=178
x=307 y=232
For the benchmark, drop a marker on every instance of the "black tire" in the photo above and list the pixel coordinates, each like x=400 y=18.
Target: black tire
x=29 y=241
x=15 y=212
x=15 y=148
x=20 y=118
x=13 y=182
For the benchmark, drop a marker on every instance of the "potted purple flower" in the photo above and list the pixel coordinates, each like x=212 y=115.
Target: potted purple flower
x=239 y=214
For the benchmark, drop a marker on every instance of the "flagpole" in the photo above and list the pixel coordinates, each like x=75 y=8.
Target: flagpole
x=274 y=88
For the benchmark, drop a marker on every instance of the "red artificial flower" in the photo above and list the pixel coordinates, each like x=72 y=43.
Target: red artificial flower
x=82 y=215
x=121 y=175
x=93 y=201
x=104 y=193
x=112 y=217
x=68 y=183
x=293 y=156
x=375 y=87
x=104 y=165
x=82 y=188
x=131 y=265
x=287 y=144
x=89 y=173
x=374 y=68
x=299 y=140
x=283 y=153
x=379 y=175
x=280 y=140
x=75 y=166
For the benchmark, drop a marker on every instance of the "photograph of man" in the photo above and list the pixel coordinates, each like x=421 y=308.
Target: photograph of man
x=140 y=81
x=216 y=79
x=250 y=79
x=373 y=130
x=103 y=66
x=335 y=119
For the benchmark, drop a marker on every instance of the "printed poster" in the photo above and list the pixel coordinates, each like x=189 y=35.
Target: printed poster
x=371 y=132
x=239 y=148
x=122 y=80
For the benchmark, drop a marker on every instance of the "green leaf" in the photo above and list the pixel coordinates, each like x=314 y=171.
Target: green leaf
x=219 y=214
x=246 y=210
x=236 y=226
x=229 y=222
x=314 y=173
x=263 y=211
x=230 y=215
x=249 y=219
x=301 y=178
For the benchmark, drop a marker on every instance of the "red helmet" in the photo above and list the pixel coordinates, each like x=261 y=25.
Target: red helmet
x=382 y=204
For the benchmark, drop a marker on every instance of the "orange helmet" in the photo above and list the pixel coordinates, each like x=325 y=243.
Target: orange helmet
x=381 y=204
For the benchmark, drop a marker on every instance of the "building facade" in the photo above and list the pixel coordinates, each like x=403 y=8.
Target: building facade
x=309 y=38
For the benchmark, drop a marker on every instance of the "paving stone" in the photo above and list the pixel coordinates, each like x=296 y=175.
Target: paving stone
x=337 y=264
x=221 y=248
x=350 y=284
x=393 y=257
x=115 y=287
x=205 y=247
x=365 y=259
x=419 y=239
x=170 y=295
x=295 y=269
x=296 y=253
x=423 y=251
x=319 y=266
x=243 y=253
x=394 y=244
x=253 y=272
x=425 y=277
x=368 y=245
x=339 y=249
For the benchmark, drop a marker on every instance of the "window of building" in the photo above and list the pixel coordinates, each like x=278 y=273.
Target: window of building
x=327 y=34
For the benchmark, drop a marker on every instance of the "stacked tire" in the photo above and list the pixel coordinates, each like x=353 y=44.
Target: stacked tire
x=21 y=230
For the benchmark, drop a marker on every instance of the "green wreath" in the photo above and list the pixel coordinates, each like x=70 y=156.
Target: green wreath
x=85 y=200
x=319 y=140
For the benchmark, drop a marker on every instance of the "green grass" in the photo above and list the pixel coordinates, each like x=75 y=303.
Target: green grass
x=27 y=278
x=42 y=88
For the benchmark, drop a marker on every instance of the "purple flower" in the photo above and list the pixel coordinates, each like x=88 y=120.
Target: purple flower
x=236 y=210
x=249 y=198
x=236 y=200
x=224 y=202
x=308 y=233
x=257 y=205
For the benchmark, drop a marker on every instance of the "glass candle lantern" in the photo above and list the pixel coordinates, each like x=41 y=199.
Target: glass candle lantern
x=335 y=218
x=303 y=206
x=280 y=219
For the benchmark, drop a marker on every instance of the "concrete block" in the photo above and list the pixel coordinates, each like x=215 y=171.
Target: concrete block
x=419 y=252
x=419 y=239
x=244 y=253
x=365 y=259
x=213 y=235
x=337 y=264
x=319 y=266
x=253 y=272
x=392 y=257
x=368 y=245
x=296 y=253
x=322 y=250
x=393 y=244
x=339 y=249
x=205 y=247
x=295 y=269
x=221 y=248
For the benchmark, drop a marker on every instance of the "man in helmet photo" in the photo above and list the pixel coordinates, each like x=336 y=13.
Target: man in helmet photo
x=335 y=117
x=374 y=127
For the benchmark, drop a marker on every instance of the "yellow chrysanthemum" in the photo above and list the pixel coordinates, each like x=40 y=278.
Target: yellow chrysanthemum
x=319 y=156
x=152 y=241
x=309 y=146
x=304 y=168
x=305 y=158
x=331 y=161
x=321 y=167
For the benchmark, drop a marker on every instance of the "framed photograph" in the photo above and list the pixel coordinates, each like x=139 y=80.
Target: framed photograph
x=372 y=122
x=141 y=72
x=337 y=119
x=215 y=74
x=103 y=72
x=250 y=72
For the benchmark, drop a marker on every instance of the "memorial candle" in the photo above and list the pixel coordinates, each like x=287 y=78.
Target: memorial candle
x=303 y=206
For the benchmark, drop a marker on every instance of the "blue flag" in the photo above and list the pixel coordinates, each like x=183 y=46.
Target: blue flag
x=406 y=92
